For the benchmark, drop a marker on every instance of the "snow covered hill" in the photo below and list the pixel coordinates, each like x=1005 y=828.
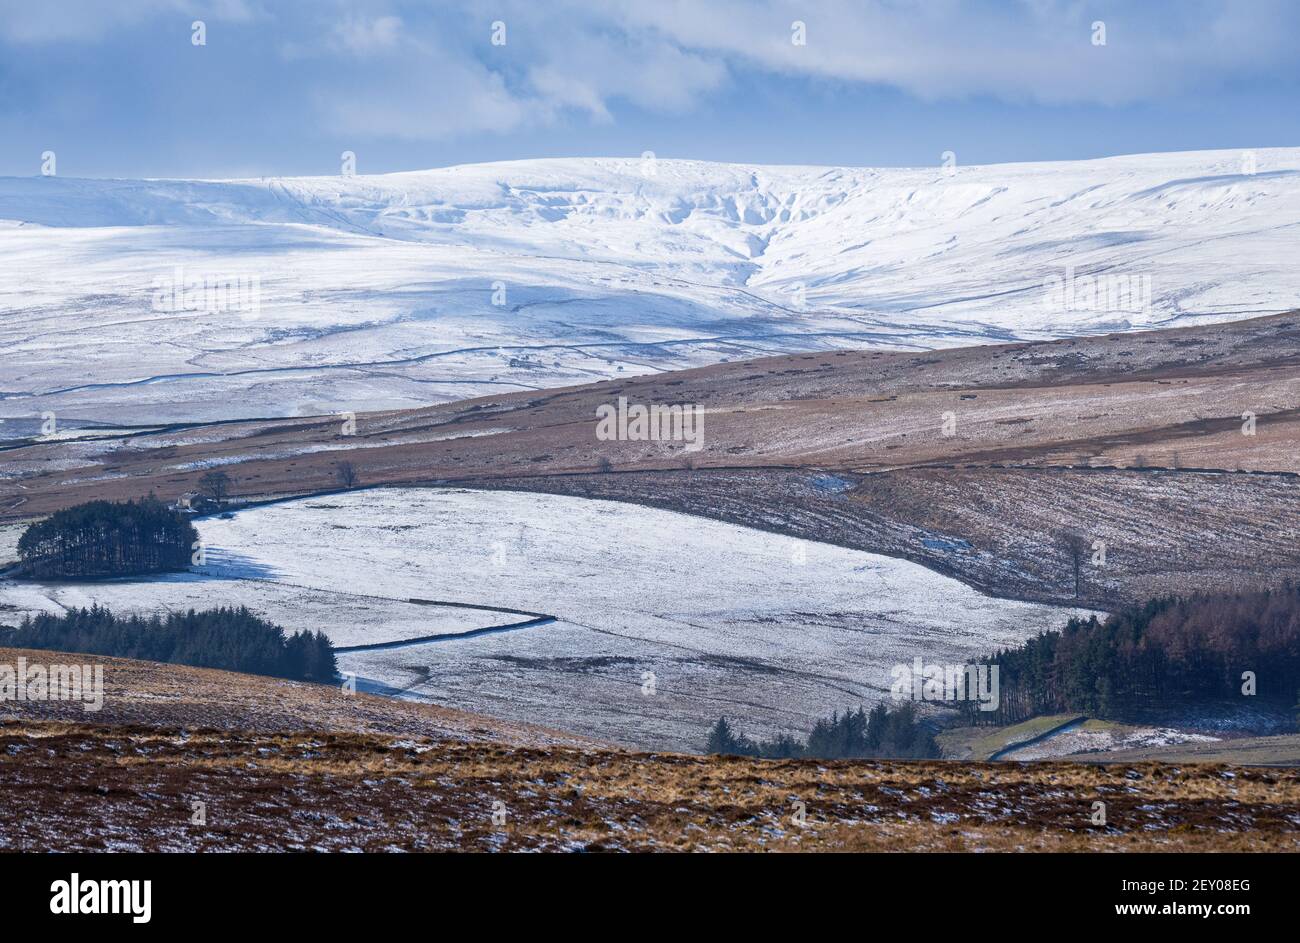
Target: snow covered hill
x=151 y=301
x=724 y=618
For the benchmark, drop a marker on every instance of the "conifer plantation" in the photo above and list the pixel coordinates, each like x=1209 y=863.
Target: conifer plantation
x=107 y=538
x=1167 y=651
x=883 y=733
x=232 y=639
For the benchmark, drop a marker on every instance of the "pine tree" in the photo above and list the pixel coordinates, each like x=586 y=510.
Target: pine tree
x=232 y=639
x=103 y=538
x=721 y=739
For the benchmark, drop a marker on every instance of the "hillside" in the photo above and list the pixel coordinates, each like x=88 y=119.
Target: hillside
x=395 y=291
x=633 y=625
x=140 y=693
x=281 y=766
x=1135 y=438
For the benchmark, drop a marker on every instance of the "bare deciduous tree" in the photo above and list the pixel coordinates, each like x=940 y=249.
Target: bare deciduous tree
x=346 y=475
x=216 y=484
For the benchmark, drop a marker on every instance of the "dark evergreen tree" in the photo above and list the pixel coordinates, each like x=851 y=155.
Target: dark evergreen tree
x=721 y=740
x=232 y=639
x=1162 y=652
x=884 y=733
x=105 y=538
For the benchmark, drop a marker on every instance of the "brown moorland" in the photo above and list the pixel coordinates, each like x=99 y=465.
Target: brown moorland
x=1134 y=439
x=282 y=766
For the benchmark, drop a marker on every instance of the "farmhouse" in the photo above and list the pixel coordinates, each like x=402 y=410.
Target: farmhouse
x=194 y=502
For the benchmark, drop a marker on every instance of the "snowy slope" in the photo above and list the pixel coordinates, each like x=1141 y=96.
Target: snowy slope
x=378 y=291
x=727 y=619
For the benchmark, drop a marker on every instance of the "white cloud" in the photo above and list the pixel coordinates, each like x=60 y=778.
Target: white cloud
x=363 y=36
x=418 y=71
x=1038 y=50
x=584 y=55
x=437 y=102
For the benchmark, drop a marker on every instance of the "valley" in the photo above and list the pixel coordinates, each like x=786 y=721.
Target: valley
x=887 y=460
x=658 y=622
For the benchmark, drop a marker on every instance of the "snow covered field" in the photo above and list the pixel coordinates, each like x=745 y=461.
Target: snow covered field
x=1100 y=737
x=405 y=289
x=770 y=631
x=351 y=618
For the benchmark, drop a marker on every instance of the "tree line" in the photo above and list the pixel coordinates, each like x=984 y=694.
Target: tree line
x=107 y=538
x=884 y=733
x=1165 y=651
x=228 y=638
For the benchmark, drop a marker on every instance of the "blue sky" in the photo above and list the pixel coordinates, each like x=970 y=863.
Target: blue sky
x=120 y=89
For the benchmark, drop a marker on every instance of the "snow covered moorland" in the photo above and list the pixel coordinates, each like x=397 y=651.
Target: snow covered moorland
x=354 y=293
x=663 y=621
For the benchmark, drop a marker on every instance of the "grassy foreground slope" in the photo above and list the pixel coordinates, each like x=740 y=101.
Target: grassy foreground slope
x=144 y=693
x=271 y=774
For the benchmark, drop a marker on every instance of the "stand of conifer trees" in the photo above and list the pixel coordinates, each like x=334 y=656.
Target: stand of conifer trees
x=884 y=733
x=1165 y=652
x=106 y=538
x=233 y=639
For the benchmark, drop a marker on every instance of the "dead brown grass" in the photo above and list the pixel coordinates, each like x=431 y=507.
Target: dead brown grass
x=143 y=694
x=75 y=786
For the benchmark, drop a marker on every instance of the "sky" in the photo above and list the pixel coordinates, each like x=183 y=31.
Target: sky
x=284 y=87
